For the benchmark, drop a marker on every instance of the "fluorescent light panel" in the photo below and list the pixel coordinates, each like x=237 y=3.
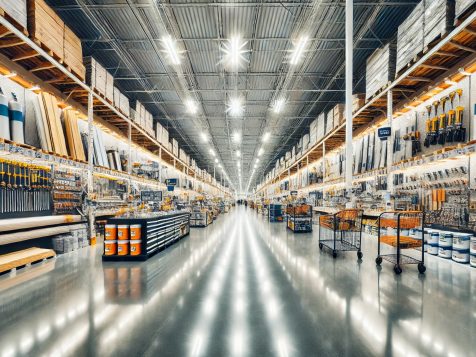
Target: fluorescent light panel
x=298 y=50
x=204 y=137
x=170 y=47
x=191 y=106
x=260 y=152
x=236 y=137
x=266 y=136
x=278 y=105
x=235 y=107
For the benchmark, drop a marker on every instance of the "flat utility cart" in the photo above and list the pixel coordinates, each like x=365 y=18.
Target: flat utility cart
x=341 y=231
x=299 y=218
x=275 y=212
x=402 y=230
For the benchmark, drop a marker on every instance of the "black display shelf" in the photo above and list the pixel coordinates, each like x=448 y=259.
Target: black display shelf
x=157 y=233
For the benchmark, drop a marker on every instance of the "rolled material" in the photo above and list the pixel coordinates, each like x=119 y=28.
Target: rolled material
x=4 y=120
x=17 y=120
x=15 y=224
x=10 y=238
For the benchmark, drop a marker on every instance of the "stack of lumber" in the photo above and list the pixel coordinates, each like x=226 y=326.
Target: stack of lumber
x=380 y=69
x=338 y=112
x=16 y=9
x=73 y=135
x=358 y=101
x=73 y=53
x=121 y=102
x=461 y=6
x=175 y=147
x=45 y=27
x=100 y=155
x=23 y=257
x=96 y=75
x=49 y=125
x=439 y=19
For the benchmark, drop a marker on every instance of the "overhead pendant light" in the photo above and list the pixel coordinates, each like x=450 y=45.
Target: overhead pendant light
x=170 y=47
x=257 y=160
x=234 y=49
x=298 y=50
x=211 y=152
x=236 y=137
x=191 y=106
x=204 y=137
x=278 y=105
x=260 y=152
x=235 y=107
x=238 y=153
x=216 y=161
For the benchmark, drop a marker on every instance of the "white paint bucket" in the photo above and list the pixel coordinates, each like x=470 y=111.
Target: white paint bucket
x=472 y=250
x=461 y=243
x=445 y=240
x=472 y=244
x=472 y=260
x=445 y=252
x=432 y=249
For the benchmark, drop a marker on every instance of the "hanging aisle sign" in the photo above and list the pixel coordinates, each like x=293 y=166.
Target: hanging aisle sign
x=384 y=133
x=171 y=183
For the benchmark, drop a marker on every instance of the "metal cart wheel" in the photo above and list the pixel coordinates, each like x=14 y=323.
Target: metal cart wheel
x=320 y=246
x=334 y=254
x=421 y=268
x=378 y=260
x=397 y=269
x=359 y=255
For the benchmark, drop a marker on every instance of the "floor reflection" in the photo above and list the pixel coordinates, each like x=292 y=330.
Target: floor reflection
x=240 y=287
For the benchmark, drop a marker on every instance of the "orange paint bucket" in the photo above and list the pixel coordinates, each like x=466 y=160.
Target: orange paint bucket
x=110 y=247
x=136 y=247
x=110 y=232
x=122 y=247
x=136 y=231
x=123 y=232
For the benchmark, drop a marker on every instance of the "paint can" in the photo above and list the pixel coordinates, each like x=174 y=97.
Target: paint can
x=110 y=247
x=461 y=243
x=123 y=232
x=472 y=252
x=4 y=120
x=445 y=240
x=433 y=239
x=136 y=231
x=136 y=247
x=110 y=232
x=122 y=247
x=445 y=252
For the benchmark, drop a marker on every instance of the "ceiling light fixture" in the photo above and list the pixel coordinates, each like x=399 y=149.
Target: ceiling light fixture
x=278 y=105
x=204 y=137
x=257 y=160
x=266 y=136
x=234 y=50
x=260 y=152
x=238 y=153
x=216 y=161
x=211 y=152
x=236 y=137
x=235 y=107
x=191 y=106
x=170 y=47
x=298 y=50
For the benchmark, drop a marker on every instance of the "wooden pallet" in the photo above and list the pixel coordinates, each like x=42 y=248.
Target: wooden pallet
x=24 y=257
x=4 y=31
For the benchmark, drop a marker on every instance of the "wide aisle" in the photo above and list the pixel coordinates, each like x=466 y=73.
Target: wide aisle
x=240 y=287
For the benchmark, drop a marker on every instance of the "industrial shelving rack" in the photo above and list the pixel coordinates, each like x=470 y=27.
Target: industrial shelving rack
x=299 y=218
x=55 y=78
x=157 y=232
x=275 y=212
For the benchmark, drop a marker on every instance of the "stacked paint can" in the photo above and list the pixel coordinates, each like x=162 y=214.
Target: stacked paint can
x=472 y=252
x=461 y=243
x=433 y=240
x=110 y=242
x=136 y=239
x=122 y=239
x=445 y=245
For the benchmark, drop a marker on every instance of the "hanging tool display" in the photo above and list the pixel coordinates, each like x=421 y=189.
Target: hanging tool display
x=67 y=192
x=4 y=119
x=416 y=137
x=460 y=131
x=24 y=189
x=434 y=125
x=17 y=120
x=450 y=128
x=442 y=123
x=428 y=127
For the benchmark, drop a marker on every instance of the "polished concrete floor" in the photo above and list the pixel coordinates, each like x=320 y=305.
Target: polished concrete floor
x=240 y=287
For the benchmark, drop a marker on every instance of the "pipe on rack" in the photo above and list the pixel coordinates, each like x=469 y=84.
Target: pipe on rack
x=349 y=47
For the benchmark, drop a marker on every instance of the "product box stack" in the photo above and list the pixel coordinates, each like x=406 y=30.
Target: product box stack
x=121 y=102
x=16 y=10
x=339 y=114
x=175 y=147
x=73 y=53
x=109 y=92
x=144 y=119
x=313 y=132
x=461 y=6
x=439 y=19
x=380 y=69
x=95 y=75
x=321 y=125
x=305 y=142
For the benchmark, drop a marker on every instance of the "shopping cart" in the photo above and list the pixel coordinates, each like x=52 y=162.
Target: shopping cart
x=341 y=231
x=402 y=230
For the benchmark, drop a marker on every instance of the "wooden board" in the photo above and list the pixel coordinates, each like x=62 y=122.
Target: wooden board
x=73 y=135
x=23 y=257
